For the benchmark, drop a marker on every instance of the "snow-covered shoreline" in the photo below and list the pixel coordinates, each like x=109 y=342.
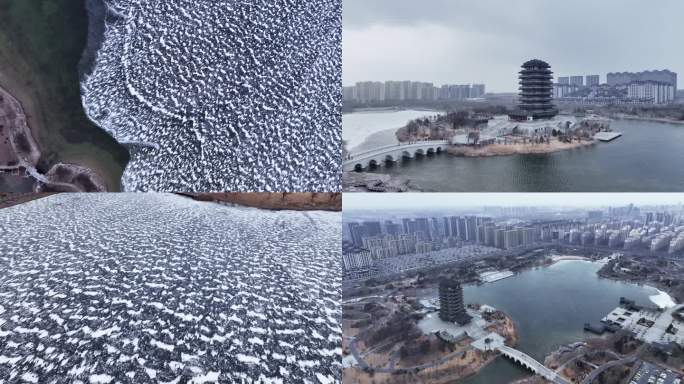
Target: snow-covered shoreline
x=662 y=299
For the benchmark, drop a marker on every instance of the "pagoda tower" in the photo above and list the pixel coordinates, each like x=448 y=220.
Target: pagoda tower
x=451 y=305
x=536 y=92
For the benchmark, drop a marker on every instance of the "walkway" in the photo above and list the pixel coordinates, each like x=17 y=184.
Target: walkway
x=378 y=156
x=531 y=364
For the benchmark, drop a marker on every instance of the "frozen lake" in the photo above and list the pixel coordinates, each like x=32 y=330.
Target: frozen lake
x=370 y=129
x=222 y=95
x=158 y=288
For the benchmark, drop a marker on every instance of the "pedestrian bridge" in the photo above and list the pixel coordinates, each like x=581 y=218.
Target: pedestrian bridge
x=531 y=364
x=391 y=153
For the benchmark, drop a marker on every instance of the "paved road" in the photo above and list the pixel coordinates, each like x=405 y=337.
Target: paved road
x=594 y=374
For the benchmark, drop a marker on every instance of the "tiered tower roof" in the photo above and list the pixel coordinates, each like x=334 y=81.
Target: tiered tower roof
x=536 y=91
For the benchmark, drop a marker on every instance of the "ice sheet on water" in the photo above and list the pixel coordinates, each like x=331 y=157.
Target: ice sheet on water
x=662 y=300
x=236 y=301
x=221 y=95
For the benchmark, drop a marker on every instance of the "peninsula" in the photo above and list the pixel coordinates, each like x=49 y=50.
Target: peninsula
x=20 y=155
x=396 y=338
x=475 y=134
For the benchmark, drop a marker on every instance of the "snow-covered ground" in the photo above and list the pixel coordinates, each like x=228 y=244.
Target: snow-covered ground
x=662 y=299
x=217 y=95
x=157 y=288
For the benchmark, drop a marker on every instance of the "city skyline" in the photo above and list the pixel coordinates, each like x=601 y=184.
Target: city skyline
x=380 y=40
x=629 y=228
x=369 y=201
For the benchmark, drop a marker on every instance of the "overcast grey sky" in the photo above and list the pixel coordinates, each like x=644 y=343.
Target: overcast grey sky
x=455 y=41
x=408 y=201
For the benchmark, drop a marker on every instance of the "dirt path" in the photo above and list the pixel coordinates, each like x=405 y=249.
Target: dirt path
x=10 y=75
x=16 y=140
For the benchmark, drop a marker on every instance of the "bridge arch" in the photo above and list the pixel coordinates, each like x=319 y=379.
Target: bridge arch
x=380 y=156
x=531 y=364
x=373 y=163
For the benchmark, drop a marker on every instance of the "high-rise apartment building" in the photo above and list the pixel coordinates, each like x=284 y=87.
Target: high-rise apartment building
x=651 y=91
x=471 y=228
x=592 y=80
x=577 y=80
x=477 y=90
x=625 y=78
x=373 y=91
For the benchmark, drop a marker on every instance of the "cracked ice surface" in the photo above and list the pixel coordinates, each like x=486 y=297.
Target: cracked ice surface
x=217 y=95
x=157 y=288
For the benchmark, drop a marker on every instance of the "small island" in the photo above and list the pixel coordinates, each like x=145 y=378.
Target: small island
x=534 y=127
x=474 y=134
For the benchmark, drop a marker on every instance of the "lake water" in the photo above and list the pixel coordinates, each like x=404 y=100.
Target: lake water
x=16 y=184
x=647 y=158
x=550 y=306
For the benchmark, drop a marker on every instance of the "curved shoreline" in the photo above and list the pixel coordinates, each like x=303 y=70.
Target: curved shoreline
x=651 y=119
x=516 y=149
x=97 y=26
x=375 y=182
x=276 y=201
x=41 y=67
x=97 y=14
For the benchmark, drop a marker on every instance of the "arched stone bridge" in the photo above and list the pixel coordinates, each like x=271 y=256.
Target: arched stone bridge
x=531 y=364
x=379 y=156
